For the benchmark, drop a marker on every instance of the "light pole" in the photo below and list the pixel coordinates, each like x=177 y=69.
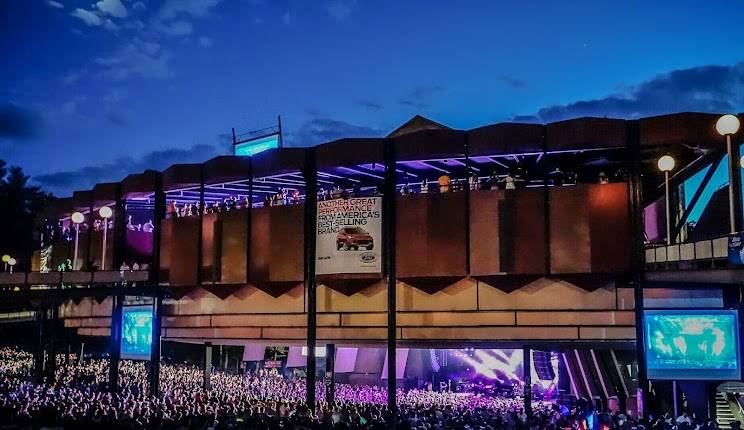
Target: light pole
x=6 y=258
x=727 y=125
x=105 y=213
x=666 y=164
x=11 y=263
x=77 y=218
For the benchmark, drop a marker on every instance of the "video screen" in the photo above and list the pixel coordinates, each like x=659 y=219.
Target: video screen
x=136 y=332
x=692 y=344
x=253 y=147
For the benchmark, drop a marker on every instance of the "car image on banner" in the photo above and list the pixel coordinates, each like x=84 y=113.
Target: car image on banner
x=349 y=235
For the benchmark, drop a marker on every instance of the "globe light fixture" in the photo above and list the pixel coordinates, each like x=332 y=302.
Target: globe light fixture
x=6 y=258
x=666 y=164
x=728 y=125
x=105 y=213
x=11 y=263
x=77 y=218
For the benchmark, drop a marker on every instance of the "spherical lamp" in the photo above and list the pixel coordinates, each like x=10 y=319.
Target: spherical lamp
x=6 y=258
x=77 y=217
x=727 y=124
x=105 y=212
x=666 y=163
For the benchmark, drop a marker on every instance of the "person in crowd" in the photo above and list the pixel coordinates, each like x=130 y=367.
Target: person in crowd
x=78 y=397
x=603 y=179
x=444 y=183
x=424 y=189
x=509 y=182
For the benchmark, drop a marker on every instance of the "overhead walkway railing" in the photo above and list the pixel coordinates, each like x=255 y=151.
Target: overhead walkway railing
x=708 y=253
x=76 y=278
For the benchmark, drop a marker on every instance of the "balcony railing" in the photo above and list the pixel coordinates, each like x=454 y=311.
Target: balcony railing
x=689 y=255
x=55 y=279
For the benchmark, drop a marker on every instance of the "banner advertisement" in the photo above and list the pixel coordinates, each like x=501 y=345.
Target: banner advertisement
x=736 y=249
x=349 y=236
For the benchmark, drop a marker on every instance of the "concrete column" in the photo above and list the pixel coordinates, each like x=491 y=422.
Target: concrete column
x=206 y=382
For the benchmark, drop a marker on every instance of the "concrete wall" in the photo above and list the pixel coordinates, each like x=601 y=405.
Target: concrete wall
x=468 y=310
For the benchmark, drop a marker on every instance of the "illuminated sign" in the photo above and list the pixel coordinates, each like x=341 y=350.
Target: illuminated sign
x=692 y=344
x=254 y=146
x=320 y=351
x=136 y=332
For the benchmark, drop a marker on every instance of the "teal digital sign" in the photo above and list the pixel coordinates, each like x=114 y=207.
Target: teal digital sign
x=136 y=332
x=692 y=344
x=253 y=147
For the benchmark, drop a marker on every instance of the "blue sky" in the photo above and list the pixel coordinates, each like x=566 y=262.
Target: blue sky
x=94 y=90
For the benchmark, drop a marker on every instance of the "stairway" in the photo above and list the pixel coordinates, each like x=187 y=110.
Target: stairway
x=724 y=416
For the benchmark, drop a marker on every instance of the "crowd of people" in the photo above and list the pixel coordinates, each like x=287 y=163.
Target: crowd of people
x=79 y=397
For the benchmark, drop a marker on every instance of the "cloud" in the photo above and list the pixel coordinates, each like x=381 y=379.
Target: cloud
x=194 y=8
x=175 y=28
x=55 y=4
x=139 y=6
x=512 y=81
x=88 y=17
x=321 y=130
x=340 y=10
x=367 y=104
x=420 y=96
x=287 y=18
x=65 y=182
x=172 y=19
x=110 y=26
x=18 y=123
x=709 y=88
x=114 y=8
x=139 y=58
x=205 y=42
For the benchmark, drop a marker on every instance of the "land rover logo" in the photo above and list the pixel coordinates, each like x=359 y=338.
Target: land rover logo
x=368 y=257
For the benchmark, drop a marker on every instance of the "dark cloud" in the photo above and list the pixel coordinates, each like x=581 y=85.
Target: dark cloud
x=367 y=104
x=321 y=130
x=19 y=123
x=697 y=89
x=63 y=183
x=420 y=97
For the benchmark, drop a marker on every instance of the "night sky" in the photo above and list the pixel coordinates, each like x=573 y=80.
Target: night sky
x=92 y=91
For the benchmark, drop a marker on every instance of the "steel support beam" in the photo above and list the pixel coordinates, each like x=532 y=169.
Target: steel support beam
x=310 y=173
x=389 y=237
x=115 y=347
x=527 y=377
x=330 y=374
x=207 y=374
x=154 y=371
x=633 y=151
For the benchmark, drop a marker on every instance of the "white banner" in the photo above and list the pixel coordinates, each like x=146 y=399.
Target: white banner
x=349 y=236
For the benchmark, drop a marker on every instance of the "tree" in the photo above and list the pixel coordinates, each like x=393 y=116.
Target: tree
x=20 y=203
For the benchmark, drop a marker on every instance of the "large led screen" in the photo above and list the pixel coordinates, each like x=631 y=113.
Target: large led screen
x=253 y=147
x=136 y=332
x=692 y=344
